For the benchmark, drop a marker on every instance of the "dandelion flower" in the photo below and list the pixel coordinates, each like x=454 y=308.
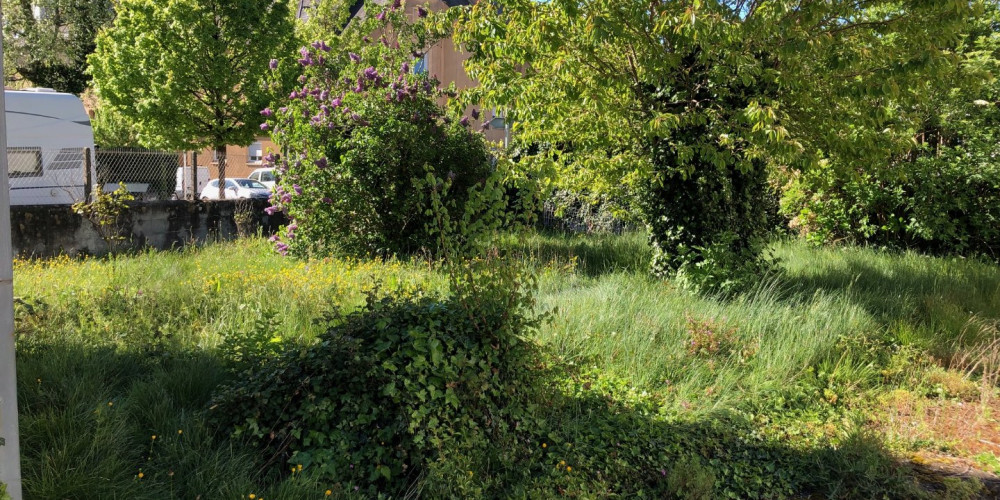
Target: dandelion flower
x=328 y=493
x=110 y=403
x=141 y=475
x=544 y=445
x=569 y=469
x=180 y=431
x=154 y=437
x=251 y=496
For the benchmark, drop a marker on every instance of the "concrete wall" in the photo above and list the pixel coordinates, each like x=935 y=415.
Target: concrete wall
x=48 y=230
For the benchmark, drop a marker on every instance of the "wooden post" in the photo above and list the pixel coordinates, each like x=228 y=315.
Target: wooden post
x=88 y=181
x=191 y=182
x=10 y=452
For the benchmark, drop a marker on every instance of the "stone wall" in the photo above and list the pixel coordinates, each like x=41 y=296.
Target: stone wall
x=48 y=230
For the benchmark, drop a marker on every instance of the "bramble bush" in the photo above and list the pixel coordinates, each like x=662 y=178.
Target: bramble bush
x=358 y=133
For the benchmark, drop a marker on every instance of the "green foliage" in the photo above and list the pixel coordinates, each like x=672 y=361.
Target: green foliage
x=709 y=228
x=685 y=104
x=941 y=195
x=108 y=212
x=47 y=41
x=389 y=389
x=112 y=130
x=360 y=135
x=189 y=73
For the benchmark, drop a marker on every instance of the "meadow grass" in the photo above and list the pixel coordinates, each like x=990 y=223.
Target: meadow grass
x=114 y=351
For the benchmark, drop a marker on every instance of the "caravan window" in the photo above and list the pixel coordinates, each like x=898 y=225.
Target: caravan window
x=68 y=158
x=24 y=162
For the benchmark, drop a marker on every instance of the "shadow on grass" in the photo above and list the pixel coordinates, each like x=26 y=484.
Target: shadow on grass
x=89 y=416
x=93 y=418
x=593 y=255
x=595 y=446
x=935 y=303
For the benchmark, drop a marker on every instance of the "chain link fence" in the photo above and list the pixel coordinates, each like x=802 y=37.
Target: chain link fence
x=66 y=176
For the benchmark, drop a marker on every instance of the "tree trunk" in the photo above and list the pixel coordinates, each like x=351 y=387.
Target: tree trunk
x=220 y=154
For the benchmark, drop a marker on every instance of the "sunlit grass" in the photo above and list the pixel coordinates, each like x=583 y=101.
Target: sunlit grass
x=113 y=351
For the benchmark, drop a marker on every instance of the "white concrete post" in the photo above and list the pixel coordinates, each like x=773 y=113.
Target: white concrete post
x=10 y=456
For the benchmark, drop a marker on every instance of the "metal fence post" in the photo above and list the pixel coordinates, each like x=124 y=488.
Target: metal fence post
x=88 y=181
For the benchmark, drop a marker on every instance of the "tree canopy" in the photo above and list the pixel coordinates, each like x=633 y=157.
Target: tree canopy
x=192 y=73
x=692 y=100
x=47 y=41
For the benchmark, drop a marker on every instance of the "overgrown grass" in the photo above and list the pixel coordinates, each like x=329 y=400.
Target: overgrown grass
x=113 y=352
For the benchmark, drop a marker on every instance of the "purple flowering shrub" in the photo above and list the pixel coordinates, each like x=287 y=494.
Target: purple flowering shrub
x=358 y=133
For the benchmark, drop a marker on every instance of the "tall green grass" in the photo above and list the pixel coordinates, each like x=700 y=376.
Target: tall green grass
x=114 y=351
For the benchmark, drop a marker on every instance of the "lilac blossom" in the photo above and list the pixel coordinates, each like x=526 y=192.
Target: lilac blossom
x=266 y=112
x=464 y=121
x=321 y=163
x=421 y=12
x=270 y=211
x=354 y=57
x=264 y=126
x=273 y=64
x=297 y=188
x=327 y=200
x=380 y=16
x=475 y=114
x=371 y=73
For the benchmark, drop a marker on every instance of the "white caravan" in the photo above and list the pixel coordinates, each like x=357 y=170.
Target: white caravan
x=47 y=135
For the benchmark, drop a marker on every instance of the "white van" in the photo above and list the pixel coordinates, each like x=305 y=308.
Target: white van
x=47 y=134
x=183 y=174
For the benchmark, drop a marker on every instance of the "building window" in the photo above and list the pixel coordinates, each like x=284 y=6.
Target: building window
x=421 y=66
x=255 y=153
x=24 y=162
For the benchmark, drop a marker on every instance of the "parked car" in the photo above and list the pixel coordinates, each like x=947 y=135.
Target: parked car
x=264 y=176
x=236 y=189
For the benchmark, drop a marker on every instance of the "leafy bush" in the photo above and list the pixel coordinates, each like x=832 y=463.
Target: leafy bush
x=710 y=227
x=947 y=204
x=391 y=387
x=358 y=133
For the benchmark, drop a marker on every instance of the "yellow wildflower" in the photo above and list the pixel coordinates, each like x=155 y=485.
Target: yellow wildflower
x=328 y=493
x=141 y=474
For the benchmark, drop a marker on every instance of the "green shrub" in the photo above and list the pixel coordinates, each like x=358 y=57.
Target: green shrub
x=394 y=386
x=947 y=204
x=710 y=227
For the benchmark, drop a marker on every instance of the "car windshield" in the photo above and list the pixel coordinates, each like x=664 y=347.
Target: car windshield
x=251 y=184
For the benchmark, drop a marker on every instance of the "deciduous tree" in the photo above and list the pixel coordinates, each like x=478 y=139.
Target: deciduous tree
x=47 y=41
x=685 y=103
x=191 y=73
